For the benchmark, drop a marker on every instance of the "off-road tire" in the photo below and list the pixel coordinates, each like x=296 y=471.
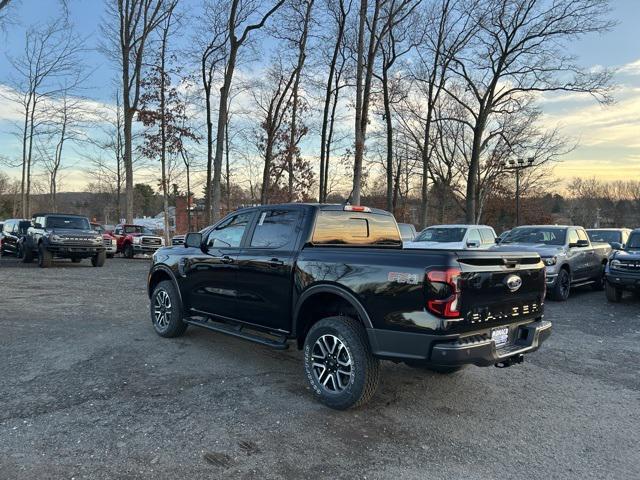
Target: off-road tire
x=45 y=257
x=76 y=260
x=442 y=369
x=98 y=259
x=128 y=251
x=174 y=326
x=614 y=295
x=27 y=255
x=365 y=368
x=562 y=287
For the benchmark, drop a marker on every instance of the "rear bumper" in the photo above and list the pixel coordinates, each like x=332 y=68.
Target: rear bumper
x=477 y=349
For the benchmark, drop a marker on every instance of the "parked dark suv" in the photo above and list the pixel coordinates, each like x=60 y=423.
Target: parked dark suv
x=58 y=235
x=623 y=270
x=11 y=235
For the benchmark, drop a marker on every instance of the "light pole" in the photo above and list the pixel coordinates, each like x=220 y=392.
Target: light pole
x=516 y=166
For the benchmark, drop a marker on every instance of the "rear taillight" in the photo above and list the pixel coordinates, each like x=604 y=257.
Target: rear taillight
x=443 y=295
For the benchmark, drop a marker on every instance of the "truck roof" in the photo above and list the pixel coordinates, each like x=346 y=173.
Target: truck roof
x=45 y=214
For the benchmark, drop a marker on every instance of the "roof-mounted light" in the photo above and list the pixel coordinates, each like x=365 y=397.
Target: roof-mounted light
x=356 y=208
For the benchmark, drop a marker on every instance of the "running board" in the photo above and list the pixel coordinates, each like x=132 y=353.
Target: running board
x=237 y=331
x=583 y=283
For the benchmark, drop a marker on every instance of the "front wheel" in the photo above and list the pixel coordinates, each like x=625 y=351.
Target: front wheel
x=27 y=254
x=45 y=257
x=98 y=259
x=339 y=364
x=614 y=294
x=562 y=287
x=166 y=310
x=128 y=251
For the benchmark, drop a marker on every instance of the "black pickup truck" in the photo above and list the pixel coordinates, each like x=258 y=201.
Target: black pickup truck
x=336 y=281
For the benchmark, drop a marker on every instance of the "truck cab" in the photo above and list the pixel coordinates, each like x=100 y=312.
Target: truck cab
x=133 y=239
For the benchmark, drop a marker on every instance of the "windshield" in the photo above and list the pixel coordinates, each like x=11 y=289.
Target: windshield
x=441 y=235
x=97 y=228
x=537 y=235
x=604 y=236
x=137 y=229
x=71 y=223
x=634 y=242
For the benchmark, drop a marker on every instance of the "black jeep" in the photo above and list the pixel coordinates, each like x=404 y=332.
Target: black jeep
x=623 y=270
x=58 y=235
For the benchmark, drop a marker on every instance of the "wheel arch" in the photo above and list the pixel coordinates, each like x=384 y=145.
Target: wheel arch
x=157 y=275
x=322 y=301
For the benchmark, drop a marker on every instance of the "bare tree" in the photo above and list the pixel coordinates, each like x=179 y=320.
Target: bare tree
x=66 y=118
x=128 y=28
x=385 y=16
x=338 y=11
x=241 y=12
x=49 y=65
x=520 y=49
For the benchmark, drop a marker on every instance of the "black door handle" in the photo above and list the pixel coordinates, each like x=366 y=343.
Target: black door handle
x=274 y=262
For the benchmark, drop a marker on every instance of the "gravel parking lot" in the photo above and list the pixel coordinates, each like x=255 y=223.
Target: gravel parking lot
x=90 y=391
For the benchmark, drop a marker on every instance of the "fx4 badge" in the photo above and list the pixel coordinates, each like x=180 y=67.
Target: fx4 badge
x=514 y=282
x=401 y=277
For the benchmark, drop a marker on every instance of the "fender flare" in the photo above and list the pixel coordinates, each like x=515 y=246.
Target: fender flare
x=335 y=290
x=169 y=272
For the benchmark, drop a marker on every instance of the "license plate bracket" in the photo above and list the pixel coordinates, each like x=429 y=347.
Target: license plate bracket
x=500 y=336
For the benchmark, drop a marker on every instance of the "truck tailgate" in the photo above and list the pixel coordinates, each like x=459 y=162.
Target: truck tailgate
x=498 y=288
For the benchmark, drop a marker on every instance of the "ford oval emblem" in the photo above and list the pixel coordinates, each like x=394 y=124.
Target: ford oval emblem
x=514 y=282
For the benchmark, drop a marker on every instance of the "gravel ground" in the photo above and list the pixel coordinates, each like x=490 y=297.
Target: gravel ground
x=90 y=391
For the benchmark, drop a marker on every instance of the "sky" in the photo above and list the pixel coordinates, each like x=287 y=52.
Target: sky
x=607 y=138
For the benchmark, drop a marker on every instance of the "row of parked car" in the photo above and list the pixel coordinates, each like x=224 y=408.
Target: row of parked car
x=607 y=258
x=55 y=235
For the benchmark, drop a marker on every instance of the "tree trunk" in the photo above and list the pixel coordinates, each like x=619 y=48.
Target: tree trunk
x=389 y=132
x=128 y=161
x=227 y=167
x=23 y=183
x=359 y=135
x=163 y=137
x=268 y=155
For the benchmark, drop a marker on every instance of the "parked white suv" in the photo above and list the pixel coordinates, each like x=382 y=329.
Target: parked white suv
x=454 y=237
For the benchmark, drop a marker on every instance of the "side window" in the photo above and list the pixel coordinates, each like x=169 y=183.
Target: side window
x=573 y=236
x=8 y=227
x=275 y=228
x=625 y=237
x=40 y=220
x=487 y=236
x=582 y=235
x=118 y=231
x=474 y=236
x=229 y=234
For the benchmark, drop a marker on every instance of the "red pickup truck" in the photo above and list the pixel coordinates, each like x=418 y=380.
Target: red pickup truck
x=135 y=239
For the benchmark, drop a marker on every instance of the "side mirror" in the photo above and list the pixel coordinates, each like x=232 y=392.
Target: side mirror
x=617 y=245
x=583 y=243
x=498 y=240
x=193 y=240
x=36 y=225
x=473 y=244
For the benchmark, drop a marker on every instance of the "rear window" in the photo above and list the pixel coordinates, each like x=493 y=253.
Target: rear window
x=605 y=236
x=358 y=229
x=442 y=234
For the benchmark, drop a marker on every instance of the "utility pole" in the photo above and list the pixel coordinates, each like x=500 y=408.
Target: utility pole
x=517 y=166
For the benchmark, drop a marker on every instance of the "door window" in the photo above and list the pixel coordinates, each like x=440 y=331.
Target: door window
x=229 y=233
x=487 y=236
x=582 y=235
x=275 y=228
x=573 y=237
x=474 y=236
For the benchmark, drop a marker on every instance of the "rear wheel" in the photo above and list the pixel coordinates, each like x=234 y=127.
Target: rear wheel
x=128 y=250
x=45 y=258
x=599 y=283
x=98 y=259
x=338 y=363
x=166 y=310
x=613 y=294
x=562 y=287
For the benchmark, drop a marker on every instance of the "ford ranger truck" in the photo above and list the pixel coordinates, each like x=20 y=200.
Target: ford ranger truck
x=335 y=281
